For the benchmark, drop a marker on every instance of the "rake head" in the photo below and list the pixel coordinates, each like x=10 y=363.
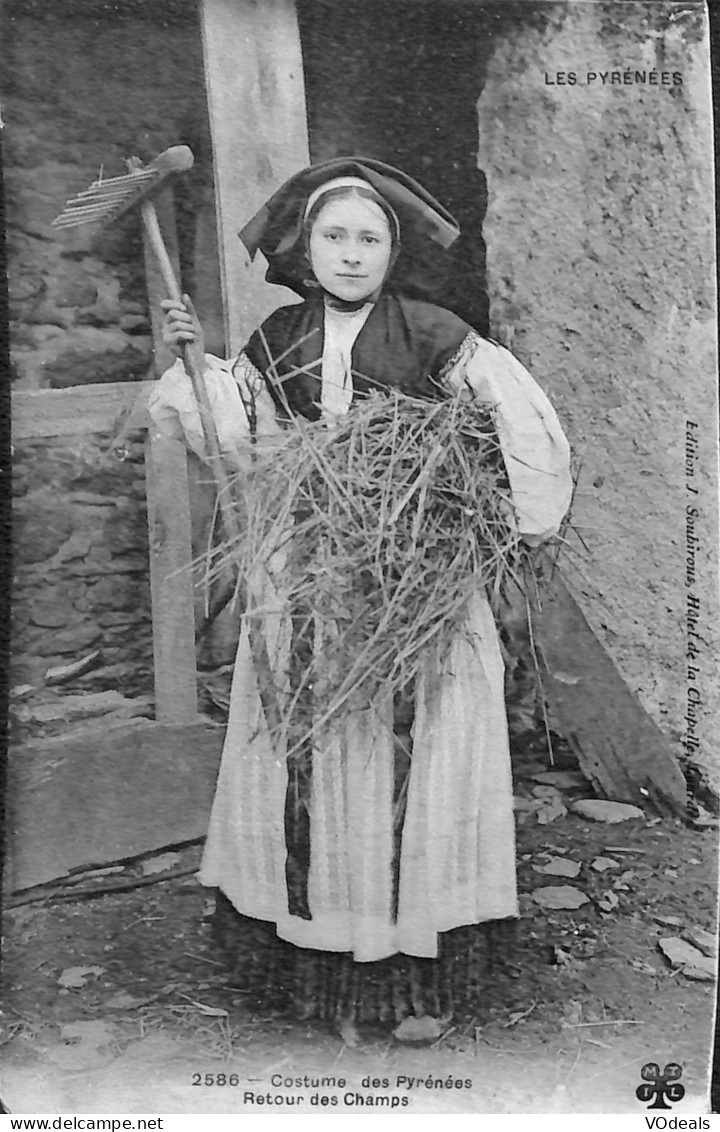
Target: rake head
x=107 y=199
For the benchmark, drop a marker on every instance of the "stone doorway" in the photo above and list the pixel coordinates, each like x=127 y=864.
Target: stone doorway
x=400 y=82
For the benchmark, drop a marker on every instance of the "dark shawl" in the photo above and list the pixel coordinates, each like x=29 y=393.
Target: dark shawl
x=403 y=345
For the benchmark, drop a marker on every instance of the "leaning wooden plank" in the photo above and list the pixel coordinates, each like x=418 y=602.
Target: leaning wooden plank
x=169 y=525
x=106 y=795
x=70 y=412
x=171 y=580
x=619 y=747
x=256 y=103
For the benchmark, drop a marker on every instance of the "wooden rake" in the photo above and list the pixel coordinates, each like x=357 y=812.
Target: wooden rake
x=103 y=202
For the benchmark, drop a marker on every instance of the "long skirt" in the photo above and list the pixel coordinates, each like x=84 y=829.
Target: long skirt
x=329 y=985
x=395 y=831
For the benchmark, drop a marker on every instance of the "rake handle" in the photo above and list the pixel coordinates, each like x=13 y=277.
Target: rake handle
x=194 y=365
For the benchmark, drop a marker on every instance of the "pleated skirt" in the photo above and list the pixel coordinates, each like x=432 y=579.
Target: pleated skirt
x=331 y=986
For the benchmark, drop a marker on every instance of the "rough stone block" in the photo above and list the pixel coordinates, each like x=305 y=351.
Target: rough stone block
x=126 y=534
x=46 y=313
x=72 y=640
x=81 y=293
x=77 y=546
x=40 y=531
x=122 y=618
x=25 y=284
x=135 y=324
x=117 y=593
x=51 y=615
x=36 y=336
x=127 y=564
x=75 y=367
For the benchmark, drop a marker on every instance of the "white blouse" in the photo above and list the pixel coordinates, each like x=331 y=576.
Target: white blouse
x=534 y=446
x=341 y=330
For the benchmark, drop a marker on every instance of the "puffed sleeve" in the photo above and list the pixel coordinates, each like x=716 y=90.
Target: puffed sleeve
x=534 y=446
x=236 y=391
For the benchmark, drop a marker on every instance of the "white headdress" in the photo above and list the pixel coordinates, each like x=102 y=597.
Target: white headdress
x=350 y=183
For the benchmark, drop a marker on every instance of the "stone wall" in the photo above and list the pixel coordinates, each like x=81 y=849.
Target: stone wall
x=87 y=85
x=601 y=279
x=81 y=565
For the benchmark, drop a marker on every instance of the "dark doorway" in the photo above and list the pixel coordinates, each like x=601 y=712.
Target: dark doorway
x=399 y=82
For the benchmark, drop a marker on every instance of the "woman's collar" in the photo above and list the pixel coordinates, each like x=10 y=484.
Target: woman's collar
x=344 y=306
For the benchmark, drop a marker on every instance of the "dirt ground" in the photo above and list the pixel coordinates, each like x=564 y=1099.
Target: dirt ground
x=120 y=1002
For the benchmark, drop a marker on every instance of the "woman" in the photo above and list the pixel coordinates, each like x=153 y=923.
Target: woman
x=340 y=908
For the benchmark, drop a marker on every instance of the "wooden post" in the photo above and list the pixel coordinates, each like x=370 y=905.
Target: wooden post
x=168 y=504
x=256 y=102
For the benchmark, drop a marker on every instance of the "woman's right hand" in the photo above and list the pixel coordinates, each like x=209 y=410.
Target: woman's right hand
x=180 y=325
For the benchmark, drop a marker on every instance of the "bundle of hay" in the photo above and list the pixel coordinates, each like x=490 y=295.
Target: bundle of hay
x=376 y=530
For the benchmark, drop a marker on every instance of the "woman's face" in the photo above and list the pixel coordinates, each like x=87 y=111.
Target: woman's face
x=350 y=248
